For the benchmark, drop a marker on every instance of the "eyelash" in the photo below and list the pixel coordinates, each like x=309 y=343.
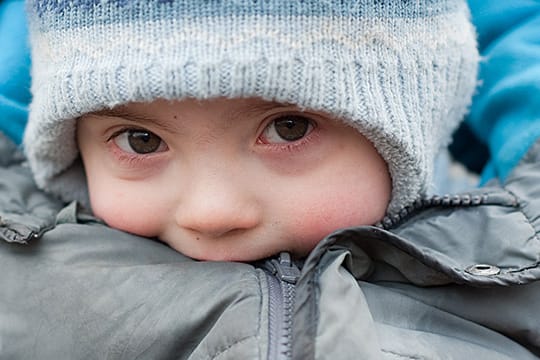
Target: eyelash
x=137 y=160
x=293 y=145
x=129 y=159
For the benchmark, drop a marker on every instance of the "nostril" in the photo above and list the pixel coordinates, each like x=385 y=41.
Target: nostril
x=215 y=223
x=203 y=232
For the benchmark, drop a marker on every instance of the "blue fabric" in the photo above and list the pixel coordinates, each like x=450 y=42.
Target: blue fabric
x=506 y=109
x=14 y=69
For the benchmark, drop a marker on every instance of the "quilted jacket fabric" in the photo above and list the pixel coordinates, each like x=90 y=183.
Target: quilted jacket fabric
x=454 y=277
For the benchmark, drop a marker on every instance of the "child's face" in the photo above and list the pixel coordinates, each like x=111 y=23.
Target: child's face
x=230 y=179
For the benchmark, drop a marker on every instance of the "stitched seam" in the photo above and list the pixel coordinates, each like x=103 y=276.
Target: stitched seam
x=259 y=322
x=315 y=318
x=525 y=215
x=411 y=357
x=225 y=350
x=228 y=348
x=530 y=224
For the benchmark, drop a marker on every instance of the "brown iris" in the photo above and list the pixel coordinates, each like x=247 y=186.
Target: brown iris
x=291 y=128
x=143 y=142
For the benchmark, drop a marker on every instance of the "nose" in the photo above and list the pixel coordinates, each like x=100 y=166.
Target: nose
x=216 y=207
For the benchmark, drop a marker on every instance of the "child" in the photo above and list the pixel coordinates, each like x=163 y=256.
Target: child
x=457 y=278
x=233 y=131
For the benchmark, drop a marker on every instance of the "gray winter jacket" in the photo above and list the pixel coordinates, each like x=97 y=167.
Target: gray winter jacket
x=453 y=278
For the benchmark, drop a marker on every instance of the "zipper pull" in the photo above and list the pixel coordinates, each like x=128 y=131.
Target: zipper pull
x=285 y=268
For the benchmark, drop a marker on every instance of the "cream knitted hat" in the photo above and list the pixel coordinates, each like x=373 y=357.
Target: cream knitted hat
x=402 y=72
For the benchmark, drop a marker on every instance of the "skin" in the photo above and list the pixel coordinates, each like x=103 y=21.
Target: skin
x=220 y=181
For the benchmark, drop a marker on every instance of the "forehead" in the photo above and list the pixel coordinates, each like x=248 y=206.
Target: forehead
x=220 y=111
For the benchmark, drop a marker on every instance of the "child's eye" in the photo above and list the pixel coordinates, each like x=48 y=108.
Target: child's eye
x=139 y=141
x=287 y=129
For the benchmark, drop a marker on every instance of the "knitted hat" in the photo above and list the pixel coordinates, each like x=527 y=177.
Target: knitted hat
x=402 y=72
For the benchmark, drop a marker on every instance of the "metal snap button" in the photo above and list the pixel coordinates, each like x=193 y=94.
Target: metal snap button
x=483 y=270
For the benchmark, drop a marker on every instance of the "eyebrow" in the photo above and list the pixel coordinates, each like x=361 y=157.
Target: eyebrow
x=135 y=117
x=142 y=119
x=266 y=106
x=256 y=109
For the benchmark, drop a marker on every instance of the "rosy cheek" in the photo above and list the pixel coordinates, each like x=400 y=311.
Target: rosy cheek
x=316 y=225
x=334 y=213
x=121 y=210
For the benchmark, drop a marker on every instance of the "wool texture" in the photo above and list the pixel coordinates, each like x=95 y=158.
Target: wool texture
x=402 y=72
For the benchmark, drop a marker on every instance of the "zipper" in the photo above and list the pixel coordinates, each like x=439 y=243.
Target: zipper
x=282 y=275
x=475 y=198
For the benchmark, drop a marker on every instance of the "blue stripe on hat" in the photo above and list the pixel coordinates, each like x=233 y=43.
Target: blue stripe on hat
x=83 y=12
